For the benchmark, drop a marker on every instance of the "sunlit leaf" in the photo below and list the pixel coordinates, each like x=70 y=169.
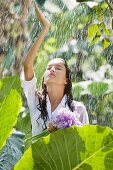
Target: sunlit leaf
x=105 y=43
x=104 y=5
x=26 y=162
x=108 y=32
x=10 y=105
x=94 y=40
x=87 y=147
x=92 y=31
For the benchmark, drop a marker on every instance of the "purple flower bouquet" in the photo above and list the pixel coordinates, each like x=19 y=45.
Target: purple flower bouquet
x=65 y=118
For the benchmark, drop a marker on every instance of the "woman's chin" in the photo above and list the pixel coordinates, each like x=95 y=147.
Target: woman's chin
x=50 y=81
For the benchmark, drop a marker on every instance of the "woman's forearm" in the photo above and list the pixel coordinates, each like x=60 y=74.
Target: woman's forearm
x=29 y=61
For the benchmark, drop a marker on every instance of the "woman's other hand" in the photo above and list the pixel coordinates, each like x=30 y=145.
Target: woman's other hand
x=51 y=128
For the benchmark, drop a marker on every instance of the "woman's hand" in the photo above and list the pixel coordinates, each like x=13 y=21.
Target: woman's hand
x=41 y=17
x=51 y=128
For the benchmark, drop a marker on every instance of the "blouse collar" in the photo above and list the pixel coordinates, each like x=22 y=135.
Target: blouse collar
x=61 y=104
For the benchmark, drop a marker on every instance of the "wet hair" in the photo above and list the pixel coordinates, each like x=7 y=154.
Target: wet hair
x=42 y=96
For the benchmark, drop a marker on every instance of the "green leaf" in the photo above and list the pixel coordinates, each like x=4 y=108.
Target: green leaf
x=94 y=41
x=77 y=91
x=106 y=42
x=12 y=151
x=108 y=32
x=89 y=147
x=24 y=122
x=92 y=31
x=98 y=88
x=10 y=104
x=37 y=137
x=26 y=162
x=104 y=5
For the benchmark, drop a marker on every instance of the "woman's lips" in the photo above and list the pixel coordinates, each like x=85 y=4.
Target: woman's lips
x=51 y=74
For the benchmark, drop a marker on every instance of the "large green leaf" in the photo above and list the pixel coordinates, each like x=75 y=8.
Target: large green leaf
x=12 y=151
x=26 y=162
x=98 y=88
x=82 y=148
x=10 y=104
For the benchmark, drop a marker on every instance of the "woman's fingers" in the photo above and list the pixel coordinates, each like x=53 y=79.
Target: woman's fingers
x=51 y=128
x=41 y=16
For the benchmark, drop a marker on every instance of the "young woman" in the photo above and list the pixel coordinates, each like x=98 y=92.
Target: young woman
x=56 y=87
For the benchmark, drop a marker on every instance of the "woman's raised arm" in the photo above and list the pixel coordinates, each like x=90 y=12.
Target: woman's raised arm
x=29 y=61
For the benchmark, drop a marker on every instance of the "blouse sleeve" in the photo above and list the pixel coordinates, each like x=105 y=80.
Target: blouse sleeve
x=29 y=88
x=81 y=110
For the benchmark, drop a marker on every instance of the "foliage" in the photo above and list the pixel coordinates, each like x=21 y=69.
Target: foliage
x=70 y=21
x=26 y=161
x=102 y=28
x=104 y=109
x=10 y=104
x=12 y=151
x=41 y=2
x=16 y=24
x=77 y=91
x=87 y=147
x=98 y=88
x=95 y=31
x=94 y=88
x=24 y=125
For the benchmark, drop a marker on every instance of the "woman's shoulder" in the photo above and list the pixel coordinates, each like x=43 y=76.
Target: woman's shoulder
x=79 y=107
x=31 y=84
x=77 y=104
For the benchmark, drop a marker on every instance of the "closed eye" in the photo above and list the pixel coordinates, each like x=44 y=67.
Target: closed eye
x=58 y=68
x=48 y=68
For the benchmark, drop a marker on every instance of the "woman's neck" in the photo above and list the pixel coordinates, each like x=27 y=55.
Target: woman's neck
x=55 y=94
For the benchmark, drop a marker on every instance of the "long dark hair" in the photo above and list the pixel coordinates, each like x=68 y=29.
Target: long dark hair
x=42 y=95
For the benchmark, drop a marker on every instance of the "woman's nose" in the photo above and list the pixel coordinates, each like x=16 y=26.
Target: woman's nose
x=53 y=69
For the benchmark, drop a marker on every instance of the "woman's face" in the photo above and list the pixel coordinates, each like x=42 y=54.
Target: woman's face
x=55 y=72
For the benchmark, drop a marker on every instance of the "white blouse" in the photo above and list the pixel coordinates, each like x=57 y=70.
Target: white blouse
x=37 y=122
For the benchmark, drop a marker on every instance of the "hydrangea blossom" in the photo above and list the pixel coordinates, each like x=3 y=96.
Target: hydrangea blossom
x=65 y=118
